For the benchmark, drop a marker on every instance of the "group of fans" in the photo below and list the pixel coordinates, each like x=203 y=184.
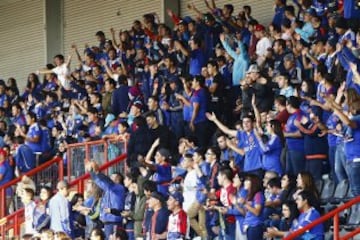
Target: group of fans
x=229 y=125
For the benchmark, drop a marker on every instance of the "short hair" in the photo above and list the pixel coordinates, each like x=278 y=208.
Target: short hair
x=281 y=99
x=100 y=34
x=230 y=7
x=62 y=184
x=274 y=182
x=213 y=63
x=155 y=98
x=227 y=172
x=308 y=196
x=111 y=81
x=150 y=114
x=216 y=150
x=150 y=186
x=32 y=116
x=59 y=56
x=200 y=79
x=30 y=191
x=290 y=9
x=294 y=102
x=281 y=43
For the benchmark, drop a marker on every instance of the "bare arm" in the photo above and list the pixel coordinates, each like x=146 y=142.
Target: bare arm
x=221 y=126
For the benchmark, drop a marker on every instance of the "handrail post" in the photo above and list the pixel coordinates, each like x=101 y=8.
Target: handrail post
x=61 y=169
x=2 y=202
x=336 y=227
x=16 y=225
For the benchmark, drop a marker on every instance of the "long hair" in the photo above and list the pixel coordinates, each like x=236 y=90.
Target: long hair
x=309 y=183
x=255 y=187
x=276 y=125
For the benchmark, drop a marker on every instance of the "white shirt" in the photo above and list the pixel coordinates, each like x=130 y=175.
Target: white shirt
x=63 y=74
x=262 y=46
x=189 y=192
x=59 y=214
x=29 y=217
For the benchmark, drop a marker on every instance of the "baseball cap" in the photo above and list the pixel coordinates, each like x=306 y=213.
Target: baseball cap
x=109 y=118
x=259 y=27
x=3 y=152
x=178 y=197
x=253 y=68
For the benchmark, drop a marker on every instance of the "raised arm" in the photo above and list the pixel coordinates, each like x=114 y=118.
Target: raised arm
x=212 y=117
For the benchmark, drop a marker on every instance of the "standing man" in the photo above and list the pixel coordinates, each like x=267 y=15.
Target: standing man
x=177 y=224
x=59 y=210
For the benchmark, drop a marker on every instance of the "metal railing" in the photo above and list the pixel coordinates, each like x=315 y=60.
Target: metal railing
x=110 y=155
x=100 y=151
x=333 y=214
x=11 y=224
x=46 y=174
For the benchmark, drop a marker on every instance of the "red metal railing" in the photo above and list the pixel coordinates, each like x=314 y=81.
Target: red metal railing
x=335 y=214
x=13 y=221
x=100 y=151
x=55 y=161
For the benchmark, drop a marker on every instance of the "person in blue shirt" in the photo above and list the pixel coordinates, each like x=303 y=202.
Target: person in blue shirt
x=199 y=102
x=240 y=65
x=162 y=169
x=119 y=97
x=196 y=55
x=113 y=198
x=253 y=208
x=33 y=135
x=272 y=149
x=279 y=12
x=17 y=116
x=6 y=175
x=24 y=157
x=295 y=154
x=304 y=202
x=352 y=150
x=249 y=145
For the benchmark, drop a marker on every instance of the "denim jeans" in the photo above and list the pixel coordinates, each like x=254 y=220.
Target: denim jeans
x=295 y=162
x=354 y=177
x=229 y=232
x=340 y=163
x=332 y=151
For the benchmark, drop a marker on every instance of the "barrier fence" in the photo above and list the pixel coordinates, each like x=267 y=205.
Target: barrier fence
x=110 y=155
x=100 y=151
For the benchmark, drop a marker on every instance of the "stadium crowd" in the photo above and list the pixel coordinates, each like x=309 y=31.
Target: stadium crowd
x=229 y=125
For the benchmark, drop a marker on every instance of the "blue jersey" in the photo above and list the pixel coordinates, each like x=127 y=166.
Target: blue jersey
x=197 y=61
x=331 y=123
x=272 y=152
x=201 y=182
x=250 y=144
x=7 y=175
x=200 y=97
x=352 y=150
x=34 y=131
x=162 y=177
x=251 y=219
x=296 y=144
x=306 y=218
x=187 y=109
x=3 y=99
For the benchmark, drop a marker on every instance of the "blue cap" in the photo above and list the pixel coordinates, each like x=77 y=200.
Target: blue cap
x=178 y=197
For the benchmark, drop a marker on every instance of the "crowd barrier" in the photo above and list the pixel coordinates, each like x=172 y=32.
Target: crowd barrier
x=110 y=155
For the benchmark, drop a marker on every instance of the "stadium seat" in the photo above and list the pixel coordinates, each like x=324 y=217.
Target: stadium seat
x=327 y=191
